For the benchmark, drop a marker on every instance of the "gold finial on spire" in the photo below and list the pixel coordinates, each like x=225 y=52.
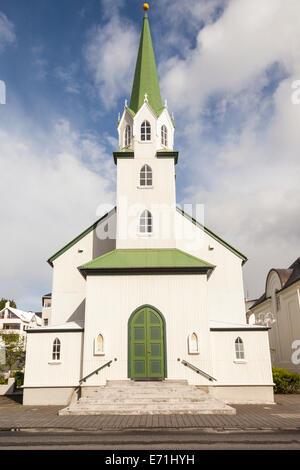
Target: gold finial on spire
x=146 y=6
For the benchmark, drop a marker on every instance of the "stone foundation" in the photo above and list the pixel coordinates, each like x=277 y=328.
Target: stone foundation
x=49 y=396
x=243 y=394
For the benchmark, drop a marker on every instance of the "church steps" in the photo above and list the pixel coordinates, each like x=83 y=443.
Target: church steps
x=137 y=398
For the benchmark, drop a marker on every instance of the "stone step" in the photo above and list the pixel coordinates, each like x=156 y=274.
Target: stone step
x=144 y=398
x=132 y=409
x=142 y=401
x=113 y=383
x=139 y=393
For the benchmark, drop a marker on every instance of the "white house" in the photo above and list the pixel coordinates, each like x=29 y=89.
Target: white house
x=279 y=308
x=46 y=309
x=146 y=286
x=14 y=320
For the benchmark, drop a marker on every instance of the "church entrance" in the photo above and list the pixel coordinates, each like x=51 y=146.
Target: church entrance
x=146 y=345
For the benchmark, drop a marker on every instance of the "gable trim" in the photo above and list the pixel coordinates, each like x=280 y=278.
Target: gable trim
x=79 y=237
x=213 y=235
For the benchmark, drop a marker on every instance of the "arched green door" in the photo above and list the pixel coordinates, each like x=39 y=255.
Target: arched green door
x=146 y=345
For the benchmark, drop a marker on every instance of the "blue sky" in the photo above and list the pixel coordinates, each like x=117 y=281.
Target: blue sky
x=226 y=68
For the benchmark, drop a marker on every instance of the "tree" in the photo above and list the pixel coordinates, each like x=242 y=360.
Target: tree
x=3 y=302
x=14 y=350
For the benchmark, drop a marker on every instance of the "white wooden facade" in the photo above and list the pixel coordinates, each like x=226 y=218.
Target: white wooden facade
x=208 y=306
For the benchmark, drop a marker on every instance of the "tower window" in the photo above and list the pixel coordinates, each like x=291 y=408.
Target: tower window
x=127 y=136
x=164 y=135
x=146 y=131
x=239 y=349
x=146 y=222
x=146 y=176
x=56 y=350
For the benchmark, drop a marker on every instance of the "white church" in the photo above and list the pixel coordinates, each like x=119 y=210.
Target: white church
x=147 y=298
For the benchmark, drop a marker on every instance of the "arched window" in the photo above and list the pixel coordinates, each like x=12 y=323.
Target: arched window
x=99 y=345
x=146 y=176
x=146 y=131
x=146 y=222
x=193 y=344
x=164 y=135
x=56 y=350
x=127 y=136
x=239 y=349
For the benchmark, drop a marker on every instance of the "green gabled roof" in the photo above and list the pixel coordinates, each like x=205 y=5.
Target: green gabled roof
x=79 y=237
x=146 y=78
x=145 y=259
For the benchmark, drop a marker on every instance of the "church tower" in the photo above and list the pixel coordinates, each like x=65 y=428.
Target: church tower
x=149 y=304
x=146 y=160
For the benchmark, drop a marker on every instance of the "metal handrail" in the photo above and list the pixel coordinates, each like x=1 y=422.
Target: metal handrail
x=198 y=371
x=95 y=371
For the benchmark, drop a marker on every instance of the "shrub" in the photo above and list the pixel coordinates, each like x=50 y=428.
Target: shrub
x=19 y=378
x=285 y=382
x=3 y=381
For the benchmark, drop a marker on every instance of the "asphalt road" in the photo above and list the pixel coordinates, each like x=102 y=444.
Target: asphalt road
x=149 y=440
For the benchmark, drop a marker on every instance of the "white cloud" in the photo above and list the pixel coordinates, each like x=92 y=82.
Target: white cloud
x=7 y=32
x=111 y=53
x=52 y=184
x=235 y=50
x=242 y=153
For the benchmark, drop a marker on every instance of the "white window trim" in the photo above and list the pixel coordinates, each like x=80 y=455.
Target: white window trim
x=144 y=187
x=99 y=353
x=53 y=362
x=144 y=234
x=236 y=359
x=190 y=352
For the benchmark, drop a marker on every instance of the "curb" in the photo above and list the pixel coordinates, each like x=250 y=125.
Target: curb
x=219 y=429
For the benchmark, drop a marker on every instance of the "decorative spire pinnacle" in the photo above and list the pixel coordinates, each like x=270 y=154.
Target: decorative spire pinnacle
x=146 y=78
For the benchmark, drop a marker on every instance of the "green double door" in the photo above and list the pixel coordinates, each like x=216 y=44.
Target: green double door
x=146 y=345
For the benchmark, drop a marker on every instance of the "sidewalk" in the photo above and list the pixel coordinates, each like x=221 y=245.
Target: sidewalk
x=285 y=415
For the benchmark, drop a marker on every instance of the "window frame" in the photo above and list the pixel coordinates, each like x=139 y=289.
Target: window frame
x=239 y=349
x=191 y=349
x=147 y=217
x=56 y=350
x=127 y=136
x=146 y=132
x=146 y=177
x=96 y=351
x=164 y=135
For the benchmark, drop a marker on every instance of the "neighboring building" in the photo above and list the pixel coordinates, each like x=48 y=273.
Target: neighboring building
x=46 y=309
x=15 y=320
x=279 y=307
x=145 y=292
x=250 y=317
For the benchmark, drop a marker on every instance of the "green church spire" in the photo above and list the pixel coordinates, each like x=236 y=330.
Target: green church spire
x=145 y=77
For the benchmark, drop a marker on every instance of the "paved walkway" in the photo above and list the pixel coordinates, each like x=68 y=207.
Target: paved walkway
x=285 y=415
